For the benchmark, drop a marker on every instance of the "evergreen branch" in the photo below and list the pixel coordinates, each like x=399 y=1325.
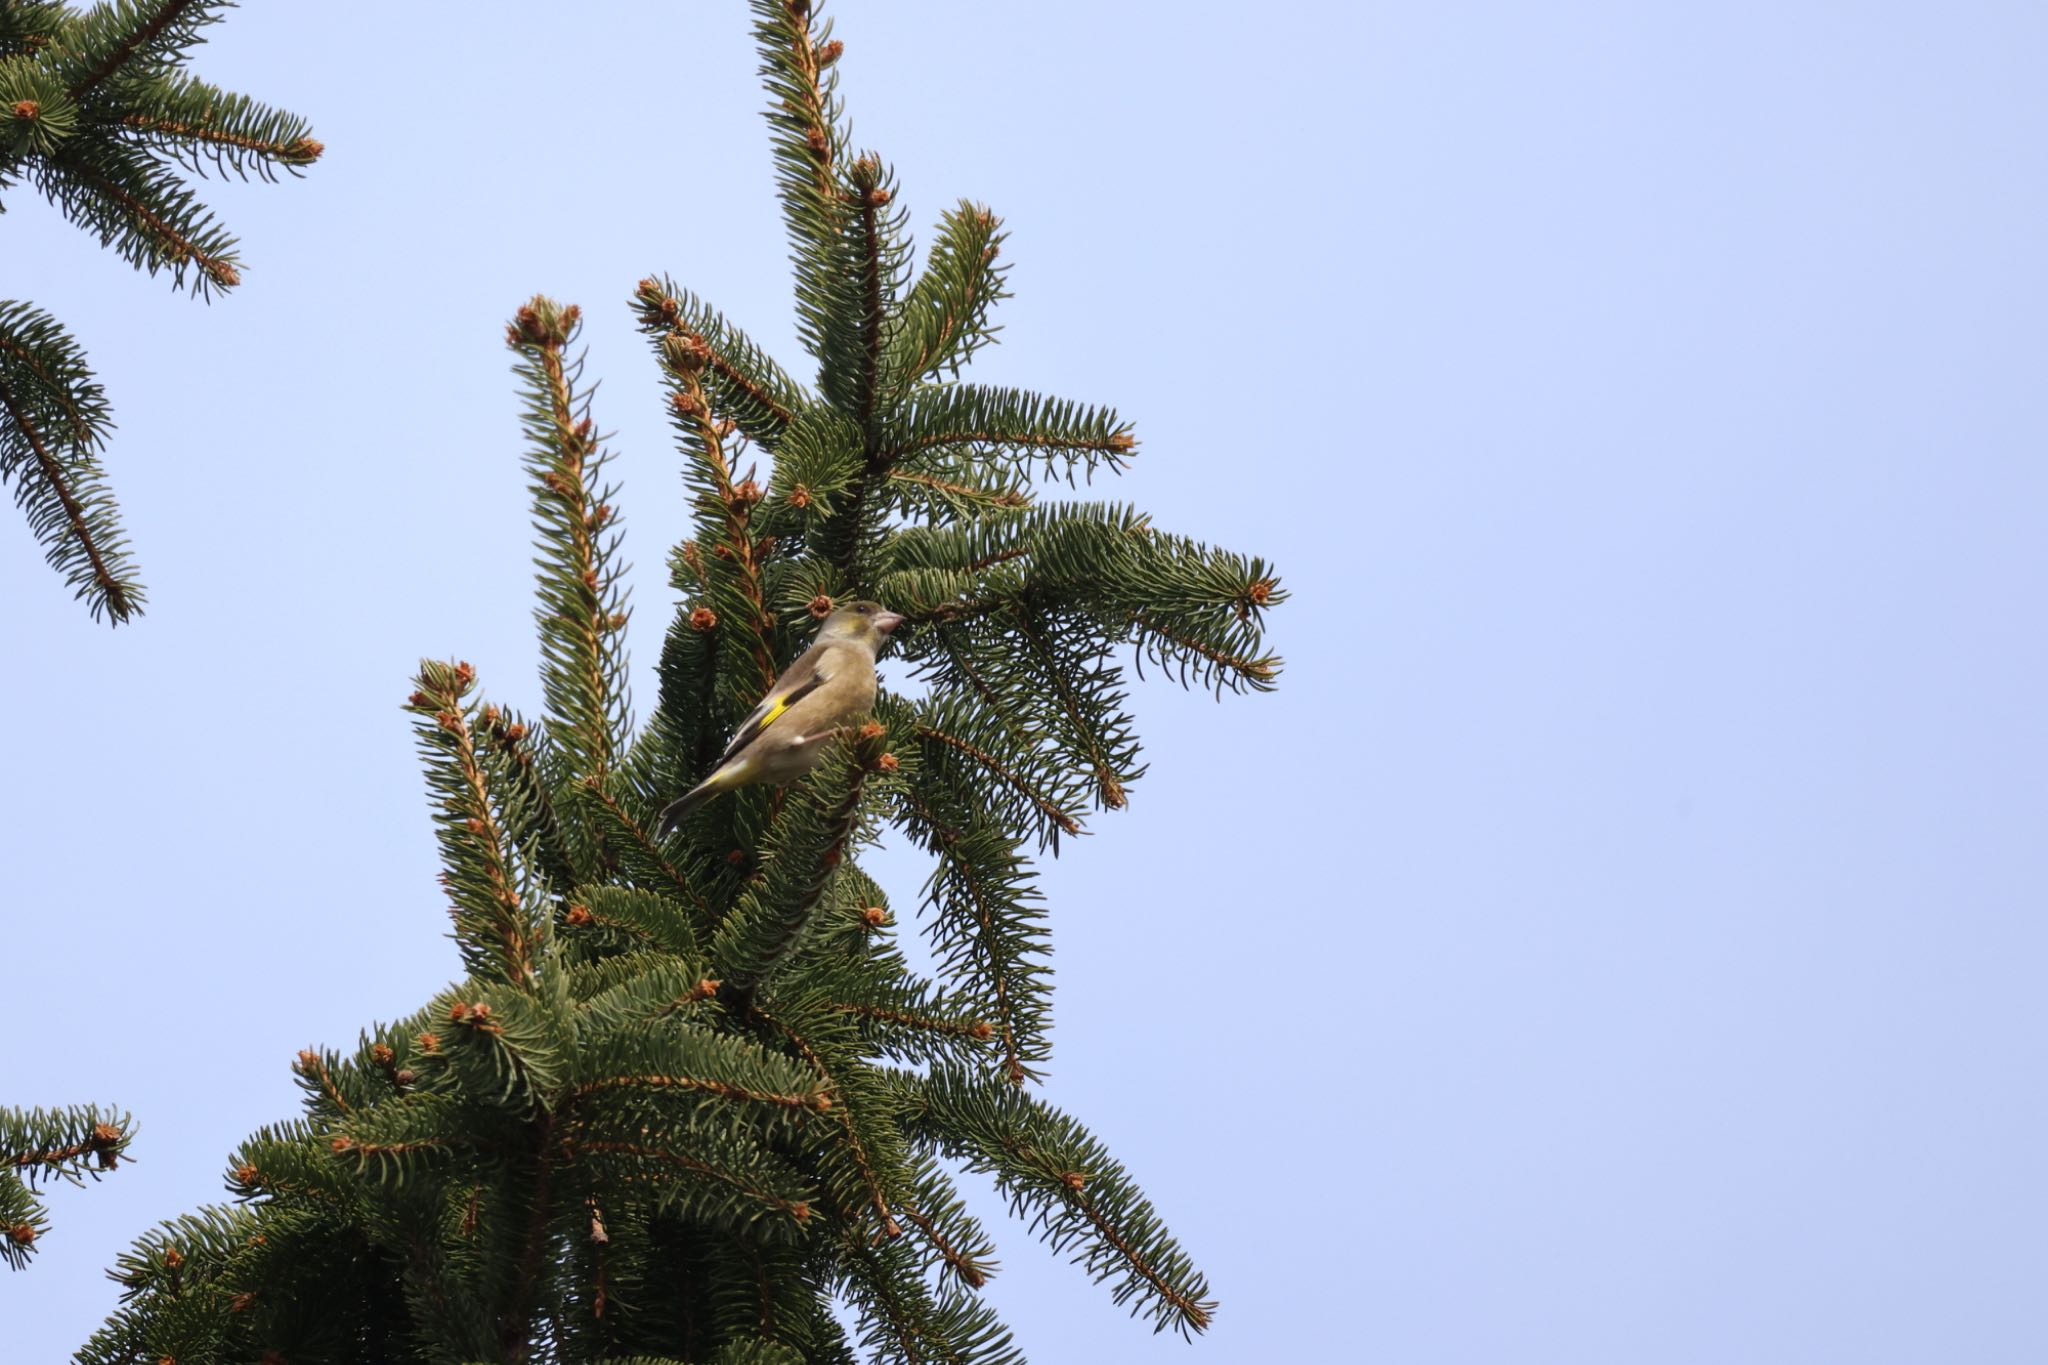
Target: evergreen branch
x=317 y=1077
x=969 y=1268
x=582 y=606
x=498 y=933
x=68 y=506
x=988 y=927
x=1009 y=423
x=729 y=504
x=1006 y=499
x=1045 y=805
x=632 y=841
x=36 y=1145
x=155 y=234
x=943 y=319
x=1053 y=1168
x=27 y=26
x=157 y=30
x=745 y=383
x=855 y=1147
x=798 y=1210
x=514 y=751
x=978 y=1029
x=904 y=1323
x=648 y=916
x=869 y=196
x=805 y=851
x=196 y=122
x=663 y=1055
x=1257 y=672
x=104 y=1145
x=805 y=1102
x=1082 y=727
x=297 y=151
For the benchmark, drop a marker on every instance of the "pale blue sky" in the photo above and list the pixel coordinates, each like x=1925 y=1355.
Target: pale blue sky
x=1620 y=940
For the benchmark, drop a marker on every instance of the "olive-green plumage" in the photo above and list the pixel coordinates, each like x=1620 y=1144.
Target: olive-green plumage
x=784 y=737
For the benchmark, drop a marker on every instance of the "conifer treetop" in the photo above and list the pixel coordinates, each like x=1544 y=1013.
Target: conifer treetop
x=689 y=1098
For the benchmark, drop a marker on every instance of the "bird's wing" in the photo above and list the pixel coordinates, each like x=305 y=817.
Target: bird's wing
x=804 y=677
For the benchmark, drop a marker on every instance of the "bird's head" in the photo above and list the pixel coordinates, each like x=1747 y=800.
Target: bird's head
x=860 y=623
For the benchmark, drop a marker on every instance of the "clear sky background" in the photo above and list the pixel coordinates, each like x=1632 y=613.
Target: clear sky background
x=1620 y=939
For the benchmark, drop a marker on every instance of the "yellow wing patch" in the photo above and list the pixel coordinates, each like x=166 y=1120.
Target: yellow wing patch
x=768 y=718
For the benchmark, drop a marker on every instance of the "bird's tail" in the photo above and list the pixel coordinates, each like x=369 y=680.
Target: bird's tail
x=678 y=810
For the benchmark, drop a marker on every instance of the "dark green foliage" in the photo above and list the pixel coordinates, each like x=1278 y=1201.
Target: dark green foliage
x=690 y=1095
x=97 y=113
x=40 y=1145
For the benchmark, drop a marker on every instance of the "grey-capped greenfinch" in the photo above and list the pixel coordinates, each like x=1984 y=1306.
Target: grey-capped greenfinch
x=784 y=737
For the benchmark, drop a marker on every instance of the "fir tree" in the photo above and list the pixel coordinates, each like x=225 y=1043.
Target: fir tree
x=98 y=113
x=688 y=1094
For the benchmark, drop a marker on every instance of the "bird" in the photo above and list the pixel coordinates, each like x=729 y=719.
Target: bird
x=784 y=737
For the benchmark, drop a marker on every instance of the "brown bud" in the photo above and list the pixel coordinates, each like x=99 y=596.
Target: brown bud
x=473 y=825
x=887 y=763
x=1260 y=592
x=1074 y=1180
x=515 y=731
x=416 y=699
x=240 y=1303
x=686 y=403
x=404 y=1076
x=341 y=1145
x=736 y=857
x=800 y=1210
x=983 y=1030
x=831 y=52
x=308 y=1059
x=685 y=352
x=173 y=1257
x=821 y=1102
x=821 y=606
x=27 y=109
x=799 y=496
x=706 y=988
x=874 y=916
x=382 y=1055
x=746 y=494
x=1123 y=442
x=703 y=618
x=649 y=288
x=458 y=1012
x=821 y=147
x=465 y=673
x=877 y=197
x=577 y=914
x=871 y=730
x=430 y=1042
x=22 y=1233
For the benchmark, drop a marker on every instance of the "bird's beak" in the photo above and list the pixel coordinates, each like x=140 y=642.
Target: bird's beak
x=886 y=621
